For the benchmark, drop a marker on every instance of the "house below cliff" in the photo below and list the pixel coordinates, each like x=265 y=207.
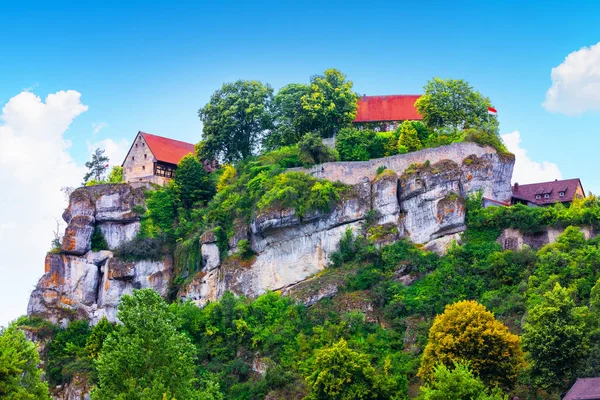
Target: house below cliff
x=385 y=113
x=153 y=158
x=548 y=193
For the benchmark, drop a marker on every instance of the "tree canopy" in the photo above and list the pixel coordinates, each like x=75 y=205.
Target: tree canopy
x=20 y=377
x=453 y=103
x=291 y=120
x=145 y=357
x=467 y=331
x=192 y=183
x=236 y=119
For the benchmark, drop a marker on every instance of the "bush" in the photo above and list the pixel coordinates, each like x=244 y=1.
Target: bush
x=142 y=248
x=353 y=144
x=313 y=151
x=98 y=241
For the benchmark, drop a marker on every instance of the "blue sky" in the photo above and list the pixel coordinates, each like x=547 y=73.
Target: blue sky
x=150 y=66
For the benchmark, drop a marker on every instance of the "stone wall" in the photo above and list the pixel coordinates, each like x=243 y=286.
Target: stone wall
x=514 y=239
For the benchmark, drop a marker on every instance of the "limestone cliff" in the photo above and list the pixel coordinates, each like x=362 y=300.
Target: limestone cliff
x=418 y=195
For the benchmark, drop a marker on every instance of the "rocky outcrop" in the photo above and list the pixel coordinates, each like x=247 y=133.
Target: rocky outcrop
x=514 y=239
x=410 y=197
x=80 y=283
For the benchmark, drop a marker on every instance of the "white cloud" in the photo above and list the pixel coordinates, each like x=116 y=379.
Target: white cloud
x=576 y=83
x=98 y=126
x=526 y=170
x=115 y=151
x=34 y=165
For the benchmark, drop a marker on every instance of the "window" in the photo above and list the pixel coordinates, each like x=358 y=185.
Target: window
x=546 y=196
x=136 y=145
x=145 y=156
x=561 y=194
x=537 y=196
x=164 y=170
x=132 y=158
x=143 y=167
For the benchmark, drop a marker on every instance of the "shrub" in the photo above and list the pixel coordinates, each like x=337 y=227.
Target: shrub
x=98 y=240
x=353 y=144
x=313 y=151
x=142 y=248
x=408 y=137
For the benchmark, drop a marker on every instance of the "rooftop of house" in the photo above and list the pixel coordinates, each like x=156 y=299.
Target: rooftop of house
x=167 y=150
x=547 y=192
x=584 y=389
x=387 y=108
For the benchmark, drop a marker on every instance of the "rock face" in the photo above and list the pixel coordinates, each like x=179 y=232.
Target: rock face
x=80 y=283
x=419 y=195
x=413 y=197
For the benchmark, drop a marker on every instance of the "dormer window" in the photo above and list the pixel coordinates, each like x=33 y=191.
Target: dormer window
x=546 y=196
x=561 y=194
x=537 y=196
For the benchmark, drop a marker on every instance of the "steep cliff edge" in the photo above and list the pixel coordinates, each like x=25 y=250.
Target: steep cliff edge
x=418 y=195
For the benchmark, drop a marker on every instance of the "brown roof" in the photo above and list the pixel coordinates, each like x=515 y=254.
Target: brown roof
x=584 y=389
x=387 y=108
x=552 y=189
x=167 y=150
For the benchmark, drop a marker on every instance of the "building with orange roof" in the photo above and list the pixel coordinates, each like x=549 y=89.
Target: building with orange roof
x=153 y=158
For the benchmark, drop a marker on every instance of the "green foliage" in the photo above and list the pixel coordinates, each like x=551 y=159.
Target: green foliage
x=67 y=355
x=142 y=248
x=408 y=137
x=291 y=119
x=554 y=338
x=235 y=119
x=98 y=241
x=191 y=183
x=331 y=103
x=313 y=151
x=96 y=167
x=244 y=249
x=466 y=331
x=457 y=383
x=353 y=144
x=20 y=377
x=116 y=174
x=342 y=373
x=145 y=357
x=452 y=103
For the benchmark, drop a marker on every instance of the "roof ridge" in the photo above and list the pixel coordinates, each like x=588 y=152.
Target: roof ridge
x=164 y=137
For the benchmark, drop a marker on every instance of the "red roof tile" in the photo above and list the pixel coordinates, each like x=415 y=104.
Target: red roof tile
x=584 y=389
x=552 y=189
x=167 y=150
x=387 y=108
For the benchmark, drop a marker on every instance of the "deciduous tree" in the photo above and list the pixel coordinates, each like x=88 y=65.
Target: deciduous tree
x=554 y=337
x=236 y=119
x=19 y=373
x=292 y=121
x=192 y=183
x=466 y=331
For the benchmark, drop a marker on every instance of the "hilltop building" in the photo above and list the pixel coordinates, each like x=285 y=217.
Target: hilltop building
x=584 y=389
x=548 y=193
x=153 y=158
x=385 y=113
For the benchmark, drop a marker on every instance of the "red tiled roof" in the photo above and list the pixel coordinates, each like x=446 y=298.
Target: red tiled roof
x=167 y=150
x=584 y=389
x=387 y=108
x=529 y=192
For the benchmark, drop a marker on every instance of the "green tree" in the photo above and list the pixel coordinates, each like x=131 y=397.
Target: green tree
x=235 y=120
x=96 y=167
x=291 y=120
x=99 y=333
x=467 y=331
x=457 y=383
x=353 y=144
x=20 y=377
x=313 y=151
x=554 y=337
x=331 y=103
x=145 y=357
x=408 y=138
x=115 y=175
x=453 y=103
x=192 y=183
x=67 y=355
x=342 y=373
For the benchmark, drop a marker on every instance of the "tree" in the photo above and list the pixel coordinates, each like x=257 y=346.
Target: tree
x=97 y=166
x=116 y=174
x=291 y=119
x=466 y=331
x=145 y=357
x=235 y=120
x=353 y=144
x=20 y=377
x=554 y=337
x=66 y=353
x=342 y=373
x=331 y=103
x=313 y=150
x=453 y=103
x=409 y=138
x=192 y=183
x=457 y=383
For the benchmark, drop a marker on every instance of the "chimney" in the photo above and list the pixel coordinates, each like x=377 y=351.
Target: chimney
x=364 y=97
x=516 y=187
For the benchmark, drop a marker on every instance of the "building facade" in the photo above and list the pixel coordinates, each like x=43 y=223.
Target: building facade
x=385 y=113
x=153 y=159
x=548 y=193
